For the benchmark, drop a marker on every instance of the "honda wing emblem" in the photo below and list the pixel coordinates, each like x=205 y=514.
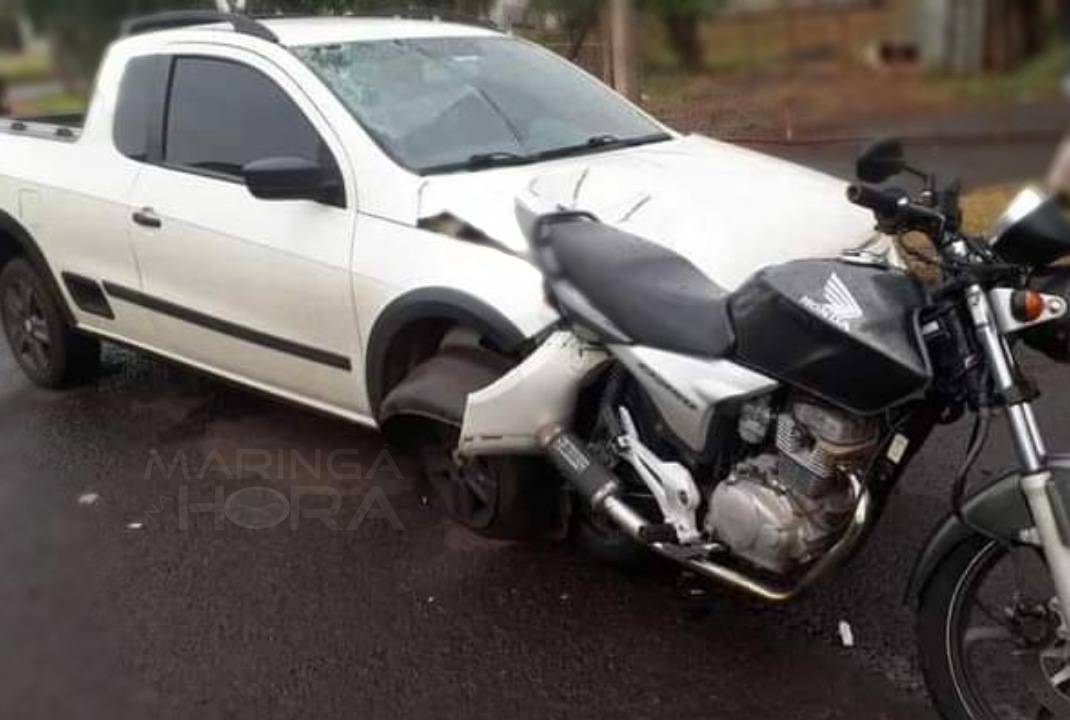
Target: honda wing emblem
x=839 y=307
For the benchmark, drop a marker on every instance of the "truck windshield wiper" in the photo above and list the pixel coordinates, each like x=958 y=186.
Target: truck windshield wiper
x=482 y=161
x=599 y=143
x=504 y=158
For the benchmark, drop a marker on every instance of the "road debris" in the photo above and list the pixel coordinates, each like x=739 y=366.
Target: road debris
x=847 y=635
x=87 y=499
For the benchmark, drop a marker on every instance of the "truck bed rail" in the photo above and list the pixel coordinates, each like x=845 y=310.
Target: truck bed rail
x=59 y=128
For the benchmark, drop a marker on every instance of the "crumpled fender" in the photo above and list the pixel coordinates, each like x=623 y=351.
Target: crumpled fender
x=438 y=389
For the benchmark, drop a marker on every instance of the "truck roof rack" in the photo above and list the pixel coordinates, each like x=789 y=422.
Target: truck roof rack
x=176 y=19
x=426 y=13
x=409 y=12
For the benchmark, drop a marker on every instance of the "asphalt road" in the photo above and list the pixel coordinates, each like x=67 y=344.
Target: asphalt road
x=123 y=596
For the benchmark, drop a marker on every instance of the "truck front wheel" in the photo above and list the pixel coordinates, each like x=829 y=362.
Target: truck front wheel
x=502 y=498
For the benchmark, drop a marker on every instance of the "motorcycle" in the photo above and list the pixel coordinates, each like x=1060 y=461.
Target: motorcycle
x=754 y=437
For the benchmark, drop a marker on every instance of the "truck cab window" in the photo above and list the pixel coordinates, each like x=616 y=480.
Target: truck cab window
x=223 y=115
x=140 y=108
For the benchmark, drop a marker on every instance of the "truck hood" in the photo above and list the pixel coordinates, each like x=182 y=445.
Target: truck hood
x=731 y=211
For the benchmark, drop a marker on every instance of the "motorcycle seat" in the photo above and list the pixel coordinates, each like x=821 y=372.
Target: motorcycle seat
x=656 y=297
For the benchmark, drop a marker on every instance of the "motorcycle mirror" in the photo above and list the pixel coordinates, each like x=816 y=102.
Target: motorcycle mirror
x=881 y=160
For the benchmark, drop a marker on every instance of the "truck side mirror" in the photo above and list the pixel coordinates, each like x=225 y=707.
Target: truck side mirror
x=291 y=178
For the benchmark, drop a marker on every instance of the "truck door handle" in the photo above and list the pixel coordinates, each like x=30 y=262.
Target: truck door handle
x=147 y=217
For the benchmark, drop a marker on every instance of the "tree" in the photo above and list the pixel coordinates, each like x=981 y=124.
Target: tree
x=682 y=20
x=683 y=23
x=81 y=29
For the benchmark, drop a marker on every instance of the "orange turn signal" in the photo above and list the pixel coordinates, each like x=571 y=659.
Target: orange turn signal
x=1027 y=306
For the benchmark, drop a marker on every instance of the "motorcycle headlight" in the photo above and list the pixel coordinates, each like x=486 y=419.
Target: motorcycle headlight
x=1053 y=338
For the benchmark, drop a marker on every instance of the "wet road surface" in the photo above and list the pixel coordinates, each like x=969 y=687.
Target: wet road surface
x=119 y=599
x=134 y=583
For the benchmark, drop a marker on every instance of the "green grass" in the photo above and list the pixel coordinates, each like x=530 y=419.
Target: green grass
x=59 y=104
x=983 y=207
x=1040 y=76
x=25 y=69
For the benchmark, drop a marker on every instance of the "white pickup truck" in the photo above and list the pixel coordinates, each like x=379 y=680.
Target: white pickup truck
x=314 y=207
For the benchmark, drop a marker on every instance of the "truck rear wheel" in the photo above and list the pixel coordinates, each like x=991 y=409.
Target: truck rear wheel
x=51 y=353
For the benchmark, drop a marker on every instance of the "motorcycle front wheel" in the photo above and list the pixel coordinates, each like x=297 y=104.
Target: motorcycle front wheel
x=992 y=638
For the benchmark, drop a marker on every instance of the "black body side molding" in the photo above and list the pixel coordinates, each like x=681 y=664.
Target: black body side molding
x=223 y=327
x=431 y=304
x=88 y=295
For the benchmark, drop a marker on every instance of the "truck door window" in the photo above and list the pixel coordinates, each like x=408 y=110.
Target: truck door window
x=140 y=109
x=222 y=115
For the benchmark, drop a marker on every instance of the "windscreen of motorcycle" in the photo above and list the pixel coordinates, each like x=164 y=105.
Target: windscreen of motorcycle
x=1033 y=231
x=844 y=332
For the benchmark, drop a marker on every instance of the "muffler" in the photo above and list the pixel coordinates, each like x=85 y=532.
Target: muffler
x=597 y=485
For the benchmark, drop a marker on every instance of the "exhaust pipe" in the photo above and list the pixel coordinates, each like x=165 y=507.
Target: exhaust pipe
x=599 y=487
x=595 y=483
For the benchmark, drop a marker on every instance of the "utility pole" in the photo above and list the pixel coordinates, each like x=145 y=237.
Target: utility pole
x=623 y=50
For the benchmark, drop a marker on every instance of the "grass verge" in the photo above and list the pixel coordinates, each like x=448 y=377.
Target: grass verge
x=26 y=69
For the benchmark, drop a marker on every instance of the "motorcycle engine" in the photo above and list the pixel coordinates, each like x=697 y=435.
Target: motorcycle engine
x=784 y=507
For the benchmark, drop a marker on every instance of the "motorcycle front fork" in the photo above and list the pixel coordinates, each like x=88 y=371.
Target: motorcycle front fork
x=1029 y=443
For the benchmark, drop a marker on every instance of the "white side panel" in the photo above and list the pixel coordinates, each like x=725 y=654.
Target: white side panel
x=391 y=259
x=506 y=417
x=72 y=197
x=279 y=269
x=688 y=390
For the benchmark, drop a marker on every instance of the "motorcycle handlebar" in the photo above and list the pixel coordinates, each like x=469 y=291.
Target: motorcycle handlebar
x=883 y=202
x=893 y=208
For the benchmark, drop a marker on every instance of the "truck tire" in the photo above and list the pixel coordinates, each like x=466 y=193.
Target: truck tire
x=501 y=498
x=51 y=353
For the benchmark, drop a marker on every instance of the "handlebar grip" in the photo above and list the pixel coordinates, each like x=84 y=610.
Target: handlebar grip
x=882 y=202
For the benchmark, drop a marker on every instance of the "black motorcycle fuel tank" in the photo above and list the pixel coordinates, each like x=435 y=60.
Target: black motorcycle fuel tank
x=845 y=332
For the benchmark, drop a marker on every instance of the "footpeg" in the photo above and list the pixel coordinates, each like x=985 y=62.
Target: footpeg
x=670 y=483
x=660 y=535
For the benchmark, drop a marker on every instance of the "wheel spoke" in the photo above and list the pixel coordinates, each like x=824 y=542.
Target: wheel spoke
x=987 y=634
x=40 y=356
x=40 y=333
x=27 y=299
x=13 y=305
x=1061 y=678
x=19 y=340
x=1057 y=654
x=479 y=485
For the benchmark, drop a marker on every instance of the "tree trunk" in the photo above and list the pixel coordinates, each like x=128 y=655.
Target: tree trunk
x=683 y=31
